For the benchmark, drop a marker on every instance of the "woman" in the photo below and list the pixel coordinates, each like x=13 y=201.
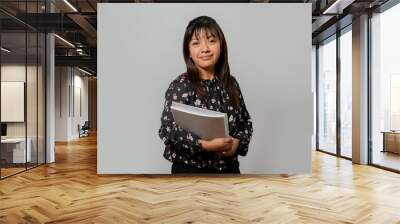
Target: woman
x=208 y=84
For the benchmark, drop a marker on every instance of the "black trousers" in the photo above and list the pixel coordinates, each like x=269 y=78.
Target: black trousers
x=181 y=168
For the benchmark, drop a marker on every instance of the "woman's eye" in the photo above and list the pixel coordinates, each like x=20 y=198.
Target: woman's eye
x=195 y=43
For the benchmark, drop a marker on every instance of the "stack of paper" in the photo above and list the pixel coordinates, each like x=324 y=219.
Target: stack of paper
x=207 y=124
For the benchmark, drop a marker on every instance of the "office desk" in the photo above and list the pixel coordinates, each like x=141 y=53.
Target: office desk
x=13 y=150
x=391 y=141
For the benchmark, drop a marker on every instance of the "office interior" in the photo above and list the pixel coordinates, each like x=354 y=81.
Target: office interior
x=49 y=92
x=30 y=57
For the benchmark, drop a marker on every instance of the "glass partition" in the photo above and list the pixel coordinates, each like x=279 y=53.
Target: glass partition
x=22 y=66
x=14 y=153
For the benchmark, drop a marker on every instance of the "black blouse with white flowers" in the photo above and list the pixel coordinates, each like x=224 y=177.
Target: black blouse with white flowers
x=183 y=146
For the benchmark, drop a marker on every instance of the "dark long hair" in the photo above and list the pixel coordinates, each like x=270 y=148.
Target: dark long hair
x=208 y=24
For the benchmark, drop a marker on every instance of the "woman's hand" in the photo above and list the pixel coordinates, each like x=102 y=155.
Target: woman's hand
x=217 y=144
x=235 y=145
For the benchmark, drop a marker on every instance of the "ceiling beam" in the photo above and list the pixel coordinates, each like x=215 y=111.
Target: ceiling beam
x=83 y=61
x=86 y=26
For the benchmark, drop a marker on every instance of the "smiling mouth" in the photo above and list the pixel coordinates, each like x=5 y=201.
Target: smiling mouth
x=205 y=58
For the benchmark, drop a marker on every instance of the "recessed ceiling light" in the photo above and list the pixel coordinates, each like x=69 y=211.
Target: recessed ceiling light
x=70 y=5
x=338 y=6
x=5 y=50
x=84 y=71
x=64 y=40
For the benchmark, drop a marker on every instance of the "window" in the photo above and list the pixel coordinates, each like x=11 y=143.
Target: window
x=346 y=93
x=385 y=88
x=327 y=96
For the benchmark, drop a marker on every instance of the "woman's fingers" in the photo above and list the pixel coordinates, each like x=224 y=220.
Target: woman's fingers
x=227 y=147
x=224 y=147
x=227 y=153
x=228 y=140
x=222 y=144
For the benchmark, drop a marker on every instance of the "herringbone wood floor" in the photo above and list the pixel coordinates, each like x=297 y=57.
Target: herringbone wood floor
x=70 y=191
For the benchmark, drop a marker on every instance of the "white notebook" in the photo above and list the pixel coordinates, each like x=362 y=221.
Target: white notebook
x=207 y=124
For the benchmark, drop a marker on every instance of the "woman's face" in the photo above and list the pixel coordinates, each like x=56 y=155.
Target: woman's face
x=205 y=50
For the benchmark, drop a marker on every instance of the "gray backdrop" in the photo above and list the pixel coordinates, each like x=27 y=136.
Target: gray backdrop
x=140 y=53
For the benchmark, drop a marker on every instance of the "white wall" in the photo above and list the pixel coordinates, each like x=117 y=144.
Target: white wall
x=61 y=103
x=68 y=82
x=79 y=117
x=17 y=73
x=269 y=53
x=12 y=101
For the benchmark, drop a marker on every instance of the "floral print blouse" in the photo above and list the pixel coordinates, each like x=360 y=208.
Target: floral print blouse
x=183 y=146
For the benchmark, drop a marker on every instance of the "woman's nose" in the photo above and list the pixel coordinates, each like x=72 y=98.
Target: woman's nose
x=204 y=47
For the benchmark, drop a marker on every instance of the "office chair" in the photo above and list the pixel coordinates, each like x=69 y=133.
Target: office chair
x=84 y=130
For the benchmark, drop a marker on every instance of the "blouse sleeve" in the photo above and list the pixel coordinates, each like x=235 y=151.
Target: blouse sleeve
x=245 y=128
x=170 y=132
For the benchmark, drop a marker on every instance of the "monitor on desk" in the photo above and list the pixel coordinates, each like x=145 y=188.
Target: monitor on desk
x=3 y=130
